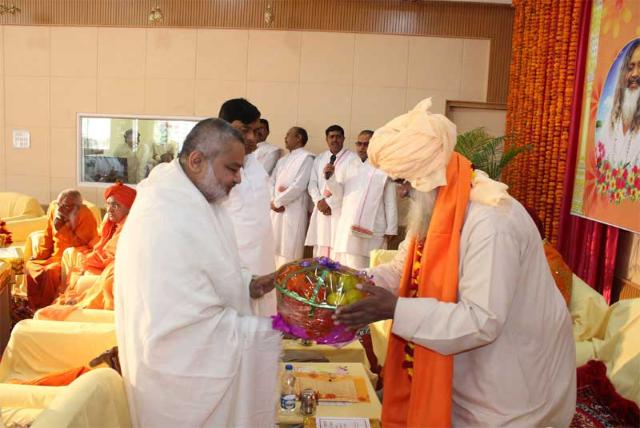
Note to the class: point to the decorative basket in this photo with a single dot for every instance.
(309, 291)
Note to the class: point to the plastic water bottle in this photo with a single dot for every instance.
(288, 390)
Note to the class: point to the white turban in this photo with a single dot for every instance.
(417, 147)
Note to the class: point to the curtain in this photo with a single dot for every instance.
(588, 247)
(550, 39)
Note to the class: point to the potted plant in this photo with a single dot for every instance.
(487, 153)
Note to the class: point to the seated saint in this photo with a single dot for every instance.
(90, 284)
(69, 224)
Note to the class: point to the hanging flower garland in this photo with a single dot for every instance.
(545, 43)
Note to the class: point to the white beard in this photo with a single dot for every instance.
(210, 187)
(629, 104)
(73, 219)
(420, 211)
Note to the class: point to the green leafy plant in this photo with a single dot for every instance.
(487, 153)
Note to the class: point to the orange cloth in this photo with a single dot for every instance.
(562, 274)
(43, 273)
(104, 251)
(123, 194)
(424, 400)
(84, 293)
(55, 379)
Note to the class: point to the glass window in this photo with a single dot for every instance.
(127, 148)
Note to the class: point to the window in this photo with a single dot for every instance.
(126, 148)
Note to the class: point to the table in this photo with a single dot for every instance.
(371, 410)
(350, 353)
(380, 332)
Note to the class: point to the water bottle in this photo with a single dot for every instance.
(288, 390)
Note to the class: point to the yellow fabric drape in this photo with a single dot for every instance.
(542, 75)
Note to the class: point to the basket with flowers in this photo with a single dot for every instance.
(309, 291)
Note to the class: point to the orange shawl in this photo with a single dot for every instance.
(425, 399)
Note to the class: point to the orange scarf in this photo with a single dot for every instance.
(424, 400)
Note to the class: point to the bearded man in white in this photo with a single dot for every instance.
(481, 335)
(289, 207)
(622, 139)
(192, 352)
(249, 202)
(267, 154)
(369, 214)
(326, 211)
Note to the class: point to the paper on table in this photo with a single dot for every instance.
(332, 387)
(342, 423)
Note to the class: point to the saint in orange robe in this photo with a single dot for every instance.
(85, 290)
(43, 273)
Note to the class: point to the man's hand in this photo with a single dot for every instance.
(380, 304)
(59, 222)
(109, 357)
(261, 285)
(276, 209)
(329, 169)
(323, 207)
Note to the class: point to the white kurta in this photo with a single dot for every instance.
(510, 332)
(191, 350)
(268, 155)
(290, 182)
(621, 148)
(350, 248)
(249, 204)
(322, 227)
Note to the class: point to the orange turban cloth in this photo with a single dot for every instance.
(121, 193)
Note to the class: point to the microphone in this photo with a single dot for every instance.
(332, 160)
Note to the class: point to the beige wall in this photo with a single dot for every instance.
(311, 79)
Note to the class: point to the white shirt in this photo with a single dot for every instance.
(510, 331)
(249, 205)
(357, 185)
(191, 351)
(289, 189)
(268, 154)
(322, 227)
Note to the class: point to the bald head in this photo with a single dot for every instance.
(71, 195)
(69, 203)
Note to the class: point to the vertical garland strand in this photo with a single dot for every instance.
(544, 43)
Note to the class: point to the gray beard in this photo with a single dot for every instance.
(630, 105)
(420, 211)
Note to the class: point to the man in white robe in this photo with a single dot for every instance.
(289, 207)
(249, 202)
(326, 211)
(369, 214)
(507, 328)
(192, 352)
(267, 154)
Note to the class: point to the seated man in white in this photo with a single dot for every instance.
(369, 215)
(289, 206)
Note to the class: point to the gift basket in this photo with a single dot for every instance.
(309, 291)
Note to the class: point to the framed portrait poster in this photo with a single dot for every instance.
(607, 185)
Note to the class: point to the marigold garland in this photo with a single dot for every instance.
(542, 74)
